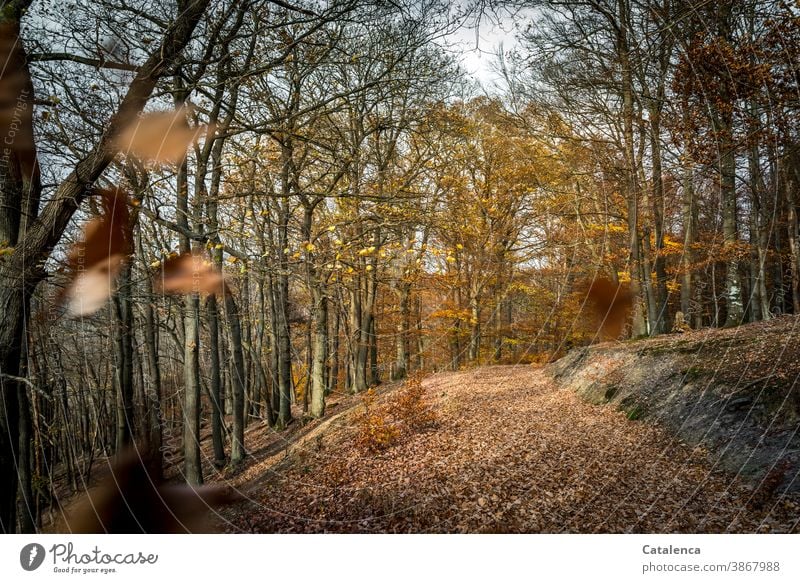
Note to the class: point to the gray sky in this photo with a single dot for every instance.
(478, 47)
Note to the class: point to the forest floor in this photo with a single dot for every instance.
(694, 432)
(510, 451)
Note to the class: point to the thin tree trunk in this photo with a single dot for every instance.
(237, 379)
(124, 360)
(217, 435)
(400, 369)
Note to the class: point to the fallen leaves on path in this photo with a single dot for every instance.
(510, 453)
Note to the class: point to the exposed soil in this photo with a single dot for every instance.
(732, 391)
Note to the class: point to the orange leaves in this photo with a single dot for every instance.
(381, 426)
(107, 235)
(95, 262)
(411, 407)
(610, 303)
(162, 137)
(189, 273)
(375, 432)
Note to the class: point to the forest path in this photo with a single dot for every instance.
(511, 452)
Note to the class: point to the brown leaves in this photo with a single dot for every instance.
(161, 137)
(512, 452)
(107, 235)
(610, 303)
(95, 262)
(16, 99)
(189, 273)
(133, 500)
(406, 413)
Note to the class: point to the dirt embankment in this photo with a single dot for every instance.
(733, 392)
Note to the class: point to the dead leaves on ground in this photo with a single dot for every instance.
(510, 453)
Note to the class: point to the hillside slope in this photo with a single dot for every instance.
(732, 391)
(521, 449)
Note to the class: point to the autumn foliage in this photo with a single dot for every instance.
(381, 425)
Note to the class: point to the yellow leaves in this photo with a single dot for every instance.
(332, 228)
(450, 259)
(310, 247)
(231, 259)
(449, 314)
(369, 268)
(671, 247)
(366, 251)
(219, 246)
(610, 228)
(5, 249)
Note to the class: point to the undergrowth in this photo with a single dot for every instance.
(380, 426)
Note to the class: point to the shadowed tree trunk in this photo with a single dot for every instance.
(36, 236)
(123, 366)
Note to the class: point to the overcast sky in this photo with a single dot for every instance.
(477, 48)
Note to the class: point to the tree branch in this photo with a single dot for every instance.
(100, 63)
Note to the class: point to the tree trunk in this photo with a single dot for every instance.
(193, 471)
(27, 511)
(400, 369)
(154, 391)
(689, 224)
(237, 379)
(217, 434)
(124, 360)
(319, 349)
(333, 375)
(475, 326)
